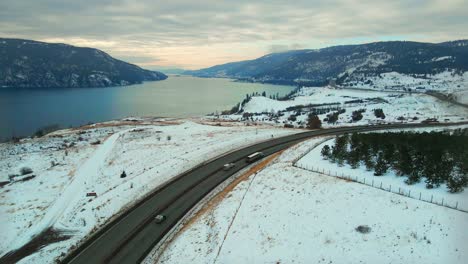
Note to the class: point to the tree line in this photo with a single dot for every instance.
(435, 157)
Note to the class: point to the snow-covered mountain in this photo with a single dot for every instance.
(350, 64)
(27, 63)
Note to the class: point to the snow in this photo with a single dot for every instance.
(259, 104)
(373, 60)
(445, 82)
(413, 108)
(57, 195)
(442, 58)
(284, 214)
(82, 181)
(462, 97)
(314, 161)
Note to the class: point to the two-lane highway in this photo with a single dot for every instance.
(129, 238)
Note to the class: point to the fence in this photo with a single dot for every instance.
(310, 149)
(386, 187)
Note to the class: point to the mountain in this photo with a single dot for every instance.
(348, 63)
(27, 63)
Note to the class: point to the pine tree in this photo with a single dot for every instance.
(366, 156)
(325, 152)
(339, 149)
(415, 172)
(353, 158)
(403, 163)
(381, 165)
(457, 180)
(389, 153)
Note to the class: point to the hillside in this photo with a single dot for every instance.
(350, 65)
(32, 64)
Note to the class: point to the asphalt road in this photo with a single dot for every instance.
(129, 238)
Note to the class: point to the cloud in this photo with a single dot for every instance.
(281, 48)
(195, 34)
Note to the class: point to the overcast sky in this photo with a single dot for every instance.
(194, 34)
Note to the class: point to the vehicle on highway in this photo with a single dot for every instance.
(228, 166)
(159, 218)
(255, 156)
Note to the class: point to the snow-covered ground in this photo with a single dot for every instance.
(284, 214)
(462, 96)
(398, 107)
(389, 181)
(444, 82)
(67, 166)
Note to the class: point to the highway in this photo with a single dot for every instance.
(130, 237)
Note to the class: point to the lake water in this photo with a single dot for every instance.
(23, 111)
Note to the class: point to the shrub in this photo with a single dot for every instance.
(313, 122)
(379, 113)
(363, 229)
(25, 170)
(292, 118)
(357, 115)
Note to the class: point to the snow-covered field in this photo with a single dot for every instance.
(67, 166)
(398, 107)
(445, 82)
(462, 96)
(389, 181)
(284, 214)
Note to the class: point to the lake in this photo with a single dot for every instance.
(24, 111)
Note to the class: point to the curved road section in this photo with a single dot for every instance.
(130, 237)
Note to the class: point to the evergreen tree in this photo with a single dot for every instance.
(439, 157)
(414, 170)
(457, 180)
(389, 152)
(403, 163)
(339, 149)
(326, 152)
(381, 166)
(369, 162)
(353, 158)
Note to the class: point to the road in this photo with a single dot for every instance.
(446, 98)
(129, 238)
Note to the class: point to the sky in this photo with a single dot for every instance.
(192, 34)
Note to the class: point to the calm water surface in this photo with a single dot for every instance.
(23, 111)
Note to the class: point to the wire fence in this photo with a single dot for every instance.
(313, 146)
(425, 197)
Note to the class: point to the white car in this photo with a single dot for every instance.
(228, 166)
(159, 218)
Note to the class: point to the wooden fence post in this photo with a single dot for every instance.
(419, 195)
(432, 196)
